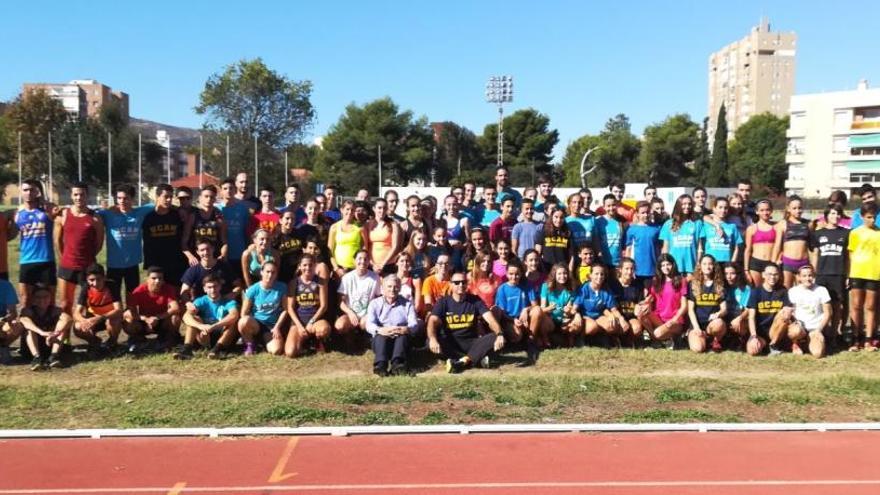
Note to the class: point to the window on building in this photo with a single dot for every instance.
(796, 146)
(842, 118)
(839, 171)
(841, 144)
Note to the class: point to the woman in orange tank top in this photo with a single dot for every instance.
(382, 236)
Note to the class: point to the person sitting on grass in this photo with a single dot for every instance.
(597, 305)
(453, 329)
(770, 313)
(356, 289)
(558, 309)
(667, 297)
(191, 283)
(308, 308)
(738, 293)
(153, 309)
(392, 322)
(211, 318)
(629, 292)
(48, 328)
(10, 328)
(97, 309)
(707, 306)
(812, 313)
(264, 313)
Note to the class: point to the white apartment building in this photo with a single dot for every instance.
(833, 141)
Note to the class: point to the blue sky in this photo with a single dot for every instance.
(578, 62)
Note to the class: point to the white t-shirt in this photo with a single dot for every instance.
(808, 304)
(360, 290)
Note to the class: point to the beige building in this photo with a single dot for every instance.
(81, 97)
(751, 76)
(833, 141)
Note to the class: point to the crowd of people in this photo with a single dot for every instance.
(505, 271)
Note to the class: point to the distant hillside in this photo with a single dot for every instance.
(179, 135)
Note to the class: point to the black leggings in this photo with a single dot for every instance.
(457, 344)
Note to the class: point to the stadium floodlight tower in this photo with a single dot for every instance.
(499, 90)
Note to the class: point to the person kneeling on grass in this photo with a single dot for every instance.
(391, 321)
(97, 309)
(210, 318)
(453, 332)
(48, 329)
(558, 309)
(264, 314)
(770, 313)
(707, 306)
(10, 328)
(812, 313)
(307, 310)
(667, 296)
(153, 308)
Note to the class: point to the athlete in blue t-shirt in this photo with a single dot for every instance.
(680, 235)
(123, 224)
(264, 312)
(720, 239)
(643, 242)
(514, 301)
(610, 232)
(34, 220)
(209, 317)
(598, 305)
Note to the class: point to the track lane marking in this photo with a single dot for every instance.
(278, 475)
(177, 489)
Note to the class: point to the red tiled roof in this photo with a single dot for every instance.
(192, 181)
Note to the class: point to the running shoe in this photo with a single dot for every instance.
(37, 364)
(184, 353)
(775, 351)
(486, 362)
(454, 366)
(216, 352)
(400, 369)
(55, 361)
(380, 371)
(249, 349)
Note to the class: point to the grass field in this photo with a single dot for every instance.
(577, 385)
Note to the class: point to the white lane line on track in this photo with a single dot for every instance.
(446, 486)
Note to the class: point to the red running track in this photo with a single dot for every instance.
(803, 463)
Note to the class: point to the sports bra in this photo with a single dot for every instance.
(454, 233)
(764, 236)
(347, 245)
(796, 231)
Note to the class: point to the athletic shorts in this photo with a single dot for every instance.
(836, 286)
(864, 284)
(38, 273)
(757, 265)
(130, 276)
(72, 275)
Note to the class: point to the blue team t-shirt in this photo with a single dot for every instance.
(593, 303)
(213, 311)
(609, 232)
(560, 298)
(267, 302)
(512, 299)
(489, 216)
(527, 235)
(582, 228)
(682, 243)
(720, 246)
(124, 236)
(8, 296)
(236, 218)
(35, 229)
(509, 192)
(644, 240)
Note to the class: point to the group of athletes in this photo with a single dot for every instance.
(465, 276)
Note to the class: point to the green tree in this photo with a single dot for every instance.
(457, 155)
(350, 149)
(247, 100)
(616, 155)
(528, 145)
(716, 176)
(758, 152)
(667, 149)
(35, 116)
(701, 163)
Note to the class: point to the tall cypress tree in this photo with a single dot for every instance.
(701, 164)
(717, 177)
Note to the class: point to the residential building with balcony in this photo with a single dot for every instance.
(833, 141)
(81, 97)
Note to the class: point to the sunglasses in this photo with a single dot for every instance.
(457, 282)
